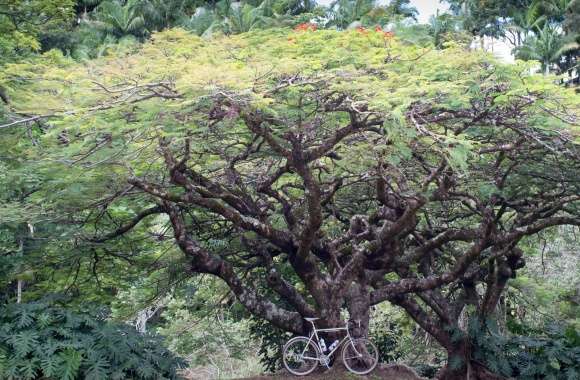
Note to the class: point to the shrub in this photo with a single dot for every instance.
(41, 341)
(271, 339)
(554, 353)
(215, 343)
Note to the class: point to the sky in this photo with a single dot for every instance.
(426, 8)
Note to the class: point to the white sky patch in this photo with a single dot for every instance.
(428, 8)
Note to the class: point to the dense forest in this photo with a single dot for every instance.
(184, 182)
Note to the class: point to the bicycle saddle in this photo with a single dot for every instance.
(311, 319)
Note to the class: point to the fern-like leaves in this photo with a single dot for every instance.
(41, 341)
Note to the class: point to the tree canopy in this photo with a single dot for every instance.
(308, 170)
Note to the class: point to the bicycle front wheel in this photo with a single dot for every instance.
(360, 356)
(300, 356)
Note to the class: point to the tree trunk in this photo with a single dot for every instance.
(460, 366)
(19, 291)
(357, 300)
(358, 305)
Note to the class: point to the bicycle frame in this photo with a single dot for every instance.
(314, 334)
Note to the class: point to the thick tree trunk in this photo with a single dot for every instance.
(460, 366)
(457, 367)
(357, 300)
(471, 371)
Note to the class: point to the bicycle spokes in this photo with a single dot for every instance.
(300, 356)
(360, 356)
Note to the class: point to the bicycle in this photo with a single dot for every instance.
(301, 355)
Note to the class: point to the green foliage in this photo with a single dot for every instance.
(547, 45)
(120, 19)
(41, 341)
(271, 339)
(209, 336)
(344, 13)
(112, 20)
(482, 17)
(387, 336)
(243, 18)
(446, 28)
(538, 29)
(552, 353)
(23, 21)
(83, 160)
(548, 286)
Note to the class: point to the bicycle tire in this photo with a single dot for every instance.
(360, 356)
(307, 359)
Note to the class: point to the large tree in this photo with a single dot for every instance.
(316, 171)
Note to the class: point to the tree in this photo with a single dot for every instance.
(446, 27)
(201, 22)
(524, 24)
(159, 15)
(121, 19)
(343, 13)
(402, 8)
(243, 18)
(572, 19)
(487, 18)
(546, 46)
(22, 22)
(571, 26)
(353, 170)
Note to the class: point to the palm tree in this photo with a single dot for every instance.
(554, 9)
(289, 7)
(243, 18)
(547, 45)
(202, 22)
(162, 14)
(524, 23)
(83, 7)
(343, 13)
(441, 25)
(402, 9)
(120, 19)
(223, 8)
(229, 17)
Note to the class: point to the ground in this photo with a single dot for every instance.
(387, 372)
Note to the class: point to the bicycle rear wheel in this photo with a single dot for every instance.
(360, 356)
(300, 356)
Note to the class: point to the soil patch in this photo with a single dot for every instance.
(386, 372)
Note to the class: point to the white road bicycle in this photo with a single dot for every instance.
(301, 355)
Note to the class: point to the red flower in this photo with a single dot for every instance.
(361, 30)
(305, 27)
(378, 28)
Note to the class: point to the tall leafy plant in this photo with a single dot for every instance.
(39, 341)
(553, 353)
(546, 46)
(343, 13)
(244, 18)
(121, 19)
